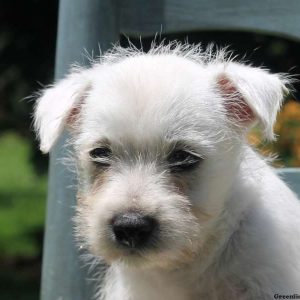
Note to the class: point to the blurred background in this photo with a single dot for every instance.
(27, 54)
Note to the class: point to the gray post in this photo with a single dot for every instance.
(83, 25)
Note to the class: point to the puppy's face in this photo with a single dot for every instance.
(151, 153)
(157, 140)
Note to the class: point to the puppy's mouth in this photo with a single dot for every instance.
(134, 233)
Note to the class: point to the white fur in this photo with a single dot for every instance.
(229, 229)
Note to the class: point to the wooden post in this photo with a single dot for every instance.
(82, 25)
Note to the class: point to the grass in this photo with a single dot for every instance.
(22, 213)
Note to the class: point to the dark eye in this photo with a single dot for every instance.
(101, 155)
(183, 160)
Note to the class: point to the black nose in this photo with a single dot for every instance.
(132, 229)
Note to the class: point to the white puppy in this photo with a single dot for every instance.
(171, 196)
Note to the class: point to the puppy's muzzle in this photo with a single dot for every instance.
(133, 230)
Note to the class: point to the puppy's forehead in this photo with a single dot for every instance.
(146, 97)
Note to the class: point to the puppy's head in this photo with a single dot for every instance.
(157, 138)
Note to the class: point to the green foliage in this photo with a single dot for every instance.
(22, 199)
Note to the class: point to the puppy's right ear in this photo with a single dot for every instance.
(59, 106)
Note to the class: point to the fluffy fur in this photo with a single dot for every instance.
(229, 228)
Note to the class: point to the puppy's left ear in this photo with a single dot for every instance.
(250, 95)
(59, 106)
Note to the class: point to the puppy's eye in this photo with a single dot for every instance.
(101, 155)
(183, 160)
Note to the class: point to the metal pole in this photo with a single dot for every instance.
(83, 25)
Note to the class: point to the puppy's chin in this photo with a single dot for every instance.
(127, 257)
(166, 259)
